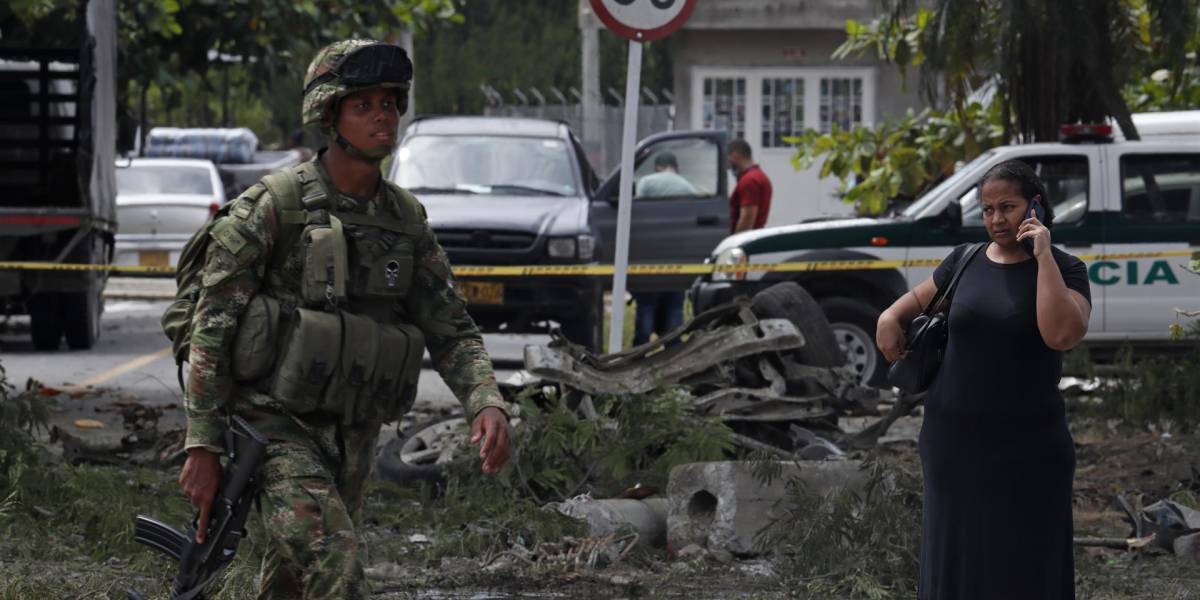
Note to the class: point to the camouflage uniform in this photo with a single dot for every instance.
(316, 465)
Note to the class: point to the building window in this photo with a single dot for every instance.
(782, 110)
(841, 102)
(725, 104)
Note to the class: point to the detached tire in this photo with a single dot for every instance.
(788, 300)
(45, 326)
(420, 453)
(853, 322)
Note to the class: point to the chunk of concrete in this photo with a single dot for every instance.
(723, 506)
(1187, 547)
(647, 517)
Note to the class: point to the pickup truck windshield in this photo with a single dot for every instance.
(164, 180)
(496, 165)
(927, 205)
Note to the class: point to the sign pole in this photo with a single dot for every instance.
(633, 84)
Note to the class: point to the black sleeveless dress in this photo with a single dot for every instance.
(995, 450)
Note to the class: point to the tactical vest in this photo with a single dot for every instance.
(336, 345)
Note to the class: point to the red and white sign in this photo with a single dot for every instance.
(643, 20)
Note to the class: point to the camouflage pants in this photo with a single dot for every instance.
(309, 508)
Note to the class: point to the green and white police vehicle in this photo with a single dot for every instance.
(1109, 197)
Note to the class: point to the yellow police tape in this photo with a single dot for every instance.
(601, 270)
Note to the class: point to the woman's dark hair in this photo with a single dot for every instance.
(1027, 181)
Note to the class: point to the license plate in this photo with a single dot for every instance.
(154, 258)
(482, 292)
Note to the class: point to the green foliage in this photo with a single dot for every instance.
(1159, 390)
(638, 440)
(902, 159)
(535, 43)
(164, 48)
(851, 545)
(22, 415)
(896, 41)
(1056, 62)
(1163, 90)
(475, 516)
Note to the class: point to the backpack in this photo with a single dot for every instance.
(177, 319)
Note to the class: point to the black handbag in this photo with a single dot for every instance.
(927, 336)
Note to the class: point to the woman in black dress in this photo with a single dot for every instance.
(995, 450)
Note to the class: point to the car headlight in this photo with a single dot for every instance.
(587, 247)
(562, 247)
(583, 247)
(727, 258)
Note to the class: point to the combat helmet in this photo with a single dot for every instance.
(345, 67)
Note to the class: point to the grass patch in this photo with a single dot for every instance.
(1156, 391)
(850, 545)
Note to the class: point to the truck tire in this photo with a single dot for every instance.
(587, 329)
(853, 322)
(80, 313)
(420, 452)
(45, 321)
(788, 300)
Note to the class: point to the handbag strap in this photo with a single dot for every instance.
(941, 295)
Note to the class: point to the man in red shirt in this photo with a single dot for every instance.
(750, 202)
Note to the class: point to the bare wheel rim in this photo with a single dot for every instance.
(435, 443)
(859, 348)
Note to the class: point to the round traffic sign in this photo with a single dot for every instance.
(643, 20)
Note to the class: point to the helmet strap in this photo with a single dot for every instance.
(373, 155)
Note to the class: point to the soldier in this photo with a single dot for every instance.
(350, 262)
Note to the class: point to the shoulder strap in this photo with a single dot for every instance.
(406, 208)
(286, 188)
(948, 293)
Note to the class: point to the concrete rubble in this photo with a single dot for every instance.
(722, 506)
(647, 517)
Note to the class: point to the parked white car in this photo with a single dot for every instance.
(161, 202)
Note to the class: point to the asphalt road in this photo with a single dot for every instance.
(132, 362)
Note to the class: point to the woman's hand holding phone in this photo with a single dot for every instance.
(1034, 236)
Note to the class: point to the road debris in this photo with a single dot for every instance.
(648, 517)
(737, 366)
(723, 506)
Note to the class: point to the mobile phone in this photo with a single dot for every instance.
(1035, 210)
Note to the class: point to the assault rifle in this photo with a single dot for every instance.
(199, 564)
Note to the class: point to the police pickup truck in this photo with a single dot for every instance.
(1110, 198)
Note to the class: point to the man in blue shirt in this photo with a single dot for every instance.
(660, 312)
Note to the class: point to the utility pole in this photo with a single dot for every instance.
(593, 133)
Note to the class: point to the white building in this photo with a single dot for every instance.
(761, 69)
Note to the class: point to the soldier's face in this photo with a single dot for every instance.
(369, 118)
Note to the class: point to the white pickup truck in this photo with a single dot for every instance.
(1109, 197)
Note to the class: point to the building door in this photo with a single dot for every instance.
(766, 107)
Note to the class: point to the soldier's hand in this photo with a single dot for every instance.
(200, 480)
(491, 426)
